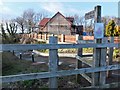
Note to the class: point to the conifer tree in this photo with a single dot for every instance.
(110, 28)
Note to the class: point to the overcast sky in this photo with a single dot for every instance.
(11, 9)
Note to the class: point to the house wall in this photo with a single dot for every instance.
(59, 25)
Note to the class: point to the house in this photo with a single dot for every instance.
(58, 24)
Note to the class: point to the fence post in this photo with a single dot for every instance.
(110, 56)
(79, 63)
(33, 57)
(52, 35)
(13, 52)
(20, 55)
(62, 38)
(40, 35)
(45, 36)
(53, 62)
(37, 36)
(29, 35)
(103, 63)
(77, 37)
(97, 51)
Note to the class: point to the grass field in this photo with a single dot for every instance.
(71, 50)
(13, 65)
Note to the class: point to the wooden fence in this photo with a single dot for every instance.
(63, 38)
(53, 62)
(90, 62)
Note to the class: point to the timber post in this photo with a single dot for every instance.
(53, 62)
(62, 38)
(79, 63)
(97, 51)
(45, 36)
(20, 55)
(13, 52)
(33, 57)
(110, 56)
(103, 75)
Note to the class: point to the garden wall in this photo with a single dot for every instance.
(63, 38)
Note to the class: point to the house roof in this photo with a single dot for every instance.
(70, 19)
(62, 16)
(44, 21)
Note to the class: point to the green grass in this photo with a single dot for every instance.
(87, 50)
(71, 50)
(13, 65)
(39, 42)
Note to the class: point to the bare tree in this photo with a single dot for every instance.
(79, 20)
(37, 18)
(25, 21)
(28, 15)
(105, 19)
(82, 20)
(29, 20)
(76, 19)
(40, 15)
(3, 33)
(89, 27)
(21, 23)
(11, 29)
(9, 33)
(117, 20)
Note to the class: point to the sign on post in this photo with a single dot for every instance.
(99, 31)
(90, 15)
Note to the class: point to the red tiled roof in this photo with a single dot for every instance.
(44, 21)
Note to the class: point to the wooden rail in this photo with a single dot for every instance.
(85, 60)
(105, 86)
(20, 77)
(87, 77)
(7, 47)
(53, 61)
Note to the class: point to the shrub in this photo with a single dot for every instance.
(110, 28)
(116, 53)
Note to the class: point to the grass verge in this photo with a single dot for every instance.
(13, 65)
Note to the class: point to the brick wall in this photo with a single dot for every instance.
(70, 38)
(116, 39)
(67, 38)
(88, 37)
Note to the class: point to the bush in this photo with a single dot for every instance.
(116, 53)
(40, 42)
(72, 50)
(112, 29)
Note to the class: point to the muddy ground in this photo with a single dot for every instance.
(69, 64)
(63, 82)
